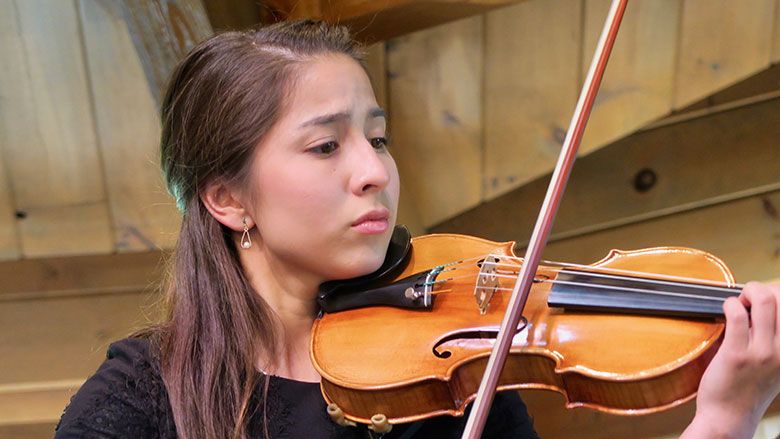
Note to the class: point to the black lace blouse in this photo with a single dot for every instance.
(126, 398)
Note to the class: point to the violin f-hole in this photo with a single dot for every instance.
(471, 334)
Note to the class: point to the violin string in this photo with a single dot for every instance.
(603, 275)
(713, 288)
(733, 291)
(617, 271)
(606, 273)
(614, 287)
(583, 284)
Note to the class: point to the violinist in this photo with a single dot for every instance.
(276, 152)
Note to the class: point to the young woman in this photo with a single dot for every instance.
(276, 151)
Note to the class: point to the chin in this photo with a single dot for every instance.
(361, 264)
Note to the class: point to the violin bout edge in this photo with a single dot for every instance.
(435, 397)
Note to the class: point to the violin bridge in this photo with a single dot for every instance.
(487, 284)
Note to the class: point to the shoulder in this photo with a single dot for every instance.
(126, 397)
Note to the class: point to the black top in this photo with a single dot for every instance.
(127, 398)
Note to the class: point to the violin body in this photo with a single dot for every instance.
(414, 364)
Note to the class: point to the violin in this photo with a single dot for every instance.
(629, 334)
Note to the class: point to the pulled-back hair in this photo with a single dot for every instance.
(221, 101)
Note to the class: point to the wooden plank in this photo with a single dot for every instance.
(435, 81)
(144, 215)
(162, 32)
(58, 316)
(47, 132)
(721, 43)
(9, 244)
(373, 20)
(80, 275)
(11, 52)
(763, 84)
(67, 230)
(64, 338)
(638, 83)
(776, 37)
(744, 233)
(36, 402)
(43, 430)
(284, 10)
(531, 85)
(693, 162)
(376, 64)
(233, 14)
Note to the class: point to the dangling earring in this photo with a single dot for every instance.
(246, 241)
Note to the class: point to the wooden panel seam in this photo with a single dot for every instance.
(77, 4)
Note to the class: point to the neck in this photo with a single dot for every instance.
(291, 294)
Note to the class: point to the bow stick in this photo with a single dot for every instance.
(571, 143)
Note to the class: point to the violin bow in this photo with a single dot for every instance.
(571, 143)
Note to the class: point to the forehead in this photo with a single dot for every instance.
(333, 82)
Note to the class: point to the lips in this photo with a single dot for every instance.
(375, 221)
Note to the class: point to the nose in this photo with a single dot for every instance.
(370, 172)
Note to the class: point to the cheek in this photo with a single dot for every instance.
(293, 198)
(394, 187)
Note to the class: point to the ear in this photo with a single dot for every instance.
(224, 205)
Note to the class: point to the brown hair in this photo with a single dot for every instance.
(222, 99)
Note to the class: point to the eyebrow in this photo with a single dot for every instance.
(335, 117)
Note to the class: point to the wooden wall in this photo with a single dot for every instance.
(518, 72)
(79, 130)
(478, 110)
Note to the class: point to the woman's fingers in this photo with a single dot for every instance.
(737, 326)
(763, 317)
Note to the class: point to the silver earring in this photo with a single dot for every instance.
(246, 241)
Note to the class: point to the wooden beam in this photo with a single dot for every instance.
(744, 233)
(763, 83)
(639, 81)
(717, 48)
(35, 402)
(644, 175)
(532, 69)
(144, 216)
(41, 430)
(162, 32)
(57, 317)
(47, 132)
(776, 36)
(376, 20)
(79, 275)
(233, 14)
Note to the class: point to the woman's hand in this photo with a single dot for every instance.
(744, 376)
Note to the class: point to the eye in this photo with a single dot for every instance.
(378, 142)
(326, 148)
